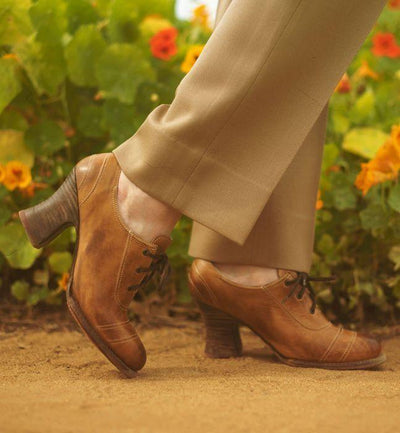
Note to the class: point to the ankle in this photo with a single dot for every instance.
(144, 215)
(248, 275)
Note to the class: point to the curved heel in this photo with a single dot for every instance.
(48, 219)
(222, 333)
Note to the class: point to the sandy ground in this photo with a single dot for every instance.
(58, 382)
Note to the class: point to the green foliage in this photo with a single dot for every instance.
(78, 77)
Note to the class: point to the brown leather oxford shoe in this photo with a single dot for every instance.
(283, 314)
(110, 262)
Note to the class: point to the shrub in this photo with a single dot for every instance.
(79, 77)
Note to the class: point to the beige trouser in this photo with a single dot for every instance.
(239, 149)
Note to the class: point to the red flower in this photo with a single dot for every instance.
(385, 45)
(163, 44)
(394, 4)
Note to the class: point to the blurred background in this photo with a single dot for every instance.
(79, 77)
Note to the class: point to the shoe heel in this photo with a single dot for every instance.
(222, 333)
(48, 219)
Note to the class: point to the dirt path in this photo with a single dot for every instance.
(57, 382)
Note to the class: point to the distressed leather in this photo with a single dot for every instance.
(107, 257)
(285, 323)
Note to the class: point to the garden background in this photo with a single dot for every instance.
(79, 77)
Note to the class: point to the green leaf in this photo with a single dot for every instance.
(90, 121)
(119, 119)
(15, 246)
(364, 141)
(340, 122)
(82, 54)
(44, 64)
(79, 13)
(120, 70)
(15, 24)
(60, 262)
(20, 290)
(123, 25)
(331, 152)
(394, 197)
(373, 217)
(12, 119)
(364, 108)
(394, 256)
(13, 147)
(49, 20)
(10, 84)
(45, 138)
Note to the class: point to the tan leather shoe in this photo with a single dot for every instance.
(283, 314)
(110, 261)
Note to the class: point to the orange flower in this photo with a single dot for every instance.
(163, 44)
(384, 45)
(63, 281)
(394, 4)
(365, 71)
(2, 173)
(191, 57)
(319, 203)
(344, 85)
(384, 166)
(201, 17)
(17, 175)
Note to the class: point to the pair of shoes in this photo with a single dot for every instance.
(111, 263)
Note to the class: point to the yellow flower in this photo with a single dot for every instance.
(191, 56)
(201, 17)
(17, 175)
(365, 71)
(384, 166)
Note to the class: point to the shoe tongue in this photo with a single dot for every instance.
(282, 272)
(162, 243)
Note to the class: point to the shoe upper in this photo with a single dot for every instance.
(110, 259)
(286, 322)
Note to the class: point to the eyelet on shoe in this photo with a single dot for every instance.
(145, 252)
(287, 283)
(299, 297)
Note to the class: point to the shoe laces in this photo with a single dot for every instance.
(158, 265)
(301, 284)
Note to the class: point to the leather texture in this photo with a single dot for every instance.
(285, 323)
(107, 257)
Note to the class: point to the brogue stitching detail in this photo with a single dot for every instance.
(113, 325)
(331, 344)
(349, 347)
(125, 339)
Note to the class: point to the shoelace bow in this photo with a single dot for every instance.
(303, 280)
(159, 265)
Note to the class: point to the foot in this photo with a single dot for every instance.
(247, 275)
(111, 261)
(143, 214)
(284, 314)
